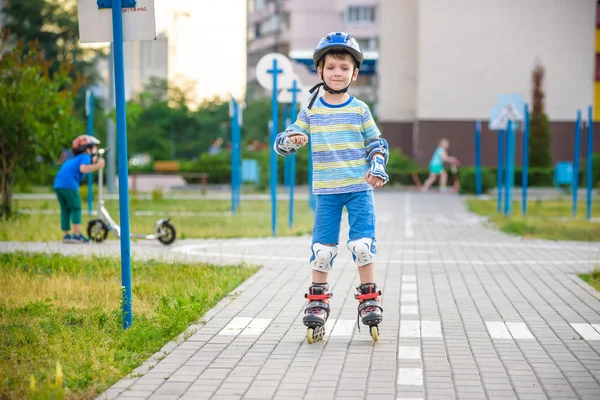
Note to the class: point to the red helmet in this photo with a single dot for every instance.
(82, 143)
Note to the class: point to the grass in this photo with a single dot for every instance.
(549, 219)
(592, 279)
(214, 220)
(56, 309)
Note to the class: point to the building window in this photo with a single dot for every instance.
(598, 15)
(260, 5)
(360, 15)
(257, 30)
(597, 67)
(370, 44)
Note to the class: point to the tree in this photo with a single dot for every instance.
(539, 126)
(36, 113)
(54, 26)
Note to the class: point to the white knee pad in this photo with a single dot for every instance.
(363, 251)
(322, 257)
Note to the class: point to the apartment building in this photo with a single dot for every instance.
(294, 27)
(143, 60)
(443, 64)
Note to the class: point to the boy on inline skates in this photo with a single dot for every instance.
(349, 160)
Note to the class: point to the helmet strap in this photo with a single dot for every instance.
(326, 88)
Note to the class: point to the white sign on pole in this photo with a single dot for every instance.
(265, 79)
(285, 95)
(87, 102)
(95, 25)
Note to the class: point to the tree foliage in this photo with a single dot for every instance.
(540, 154)
(36, 112)
(54, 26)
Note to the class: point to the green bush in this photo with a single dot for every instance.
(217, 166)
(595, 170)
(146, 169)
(407, 178)
(466, 177)
(536, 177)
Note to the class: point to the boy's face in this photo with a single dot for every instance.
(338, 73)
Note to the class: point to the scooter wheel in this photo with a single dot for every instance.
(167, 233)
(97, 230)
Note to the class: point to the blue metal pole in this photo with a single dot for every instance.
(478, 158)
(588, 161)
(293, 117)
(312, 200)
(509, 171)
(576, 155)
(238, 157)
(274, 126)
(238, 135)
(117, 20)
(286, 160)
(90, 131)
(499, 173)
(233, 155)
(525, 163)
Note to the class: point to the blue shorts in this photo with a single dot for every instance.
(328, 216)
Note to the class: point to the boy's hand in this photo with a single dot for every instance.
(373, 180)
(298, 138)
(101, 163)
(376, 175)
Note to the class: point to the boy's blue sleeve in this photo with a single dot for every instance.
(370, 130)
(302, 123)
(85, 160)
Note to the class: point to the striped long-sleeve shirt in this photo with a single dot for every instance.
(338, 134)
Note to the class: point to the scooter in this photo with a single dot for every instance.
(98, 229)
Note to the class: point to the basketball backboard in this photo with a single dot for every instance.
(509, 107)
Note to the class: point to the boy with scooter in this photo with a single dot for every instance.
(436, 166)
(67, 181)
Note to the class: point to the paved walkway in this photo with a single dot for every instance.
(469, 313)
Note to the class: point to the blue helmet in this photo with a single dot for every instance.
(338, 40)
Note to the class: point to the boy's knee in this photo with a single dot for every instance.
(322, 257)
(363, 251)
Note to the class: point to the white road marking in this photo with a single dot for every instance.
(343, 327)
(431, 329)
(410, 328)
(409, 352)
(410, 376)
(409, 287)
(409, 310)
(508, 330)
(497, 330)
(408, 222)
(519, 330)
(256, 327)
(235, 326)
(586, 331)
(408, 298)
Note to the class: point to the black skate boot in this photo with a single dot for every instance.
(316, 311)
(369, 308)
